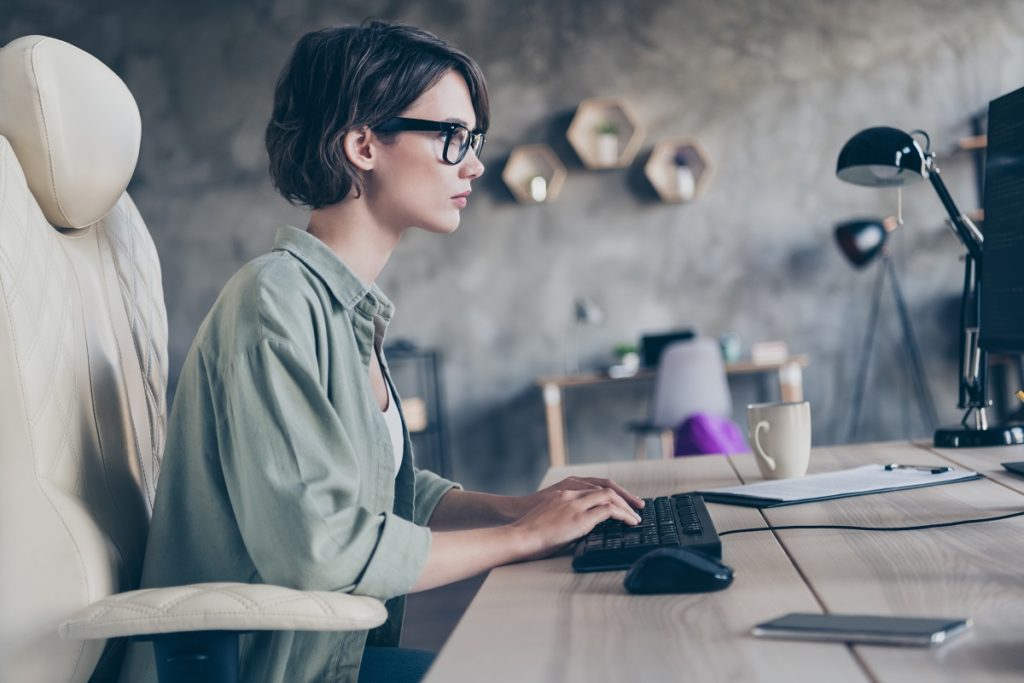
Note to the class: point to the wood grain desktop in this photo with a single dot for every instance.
(539, 621)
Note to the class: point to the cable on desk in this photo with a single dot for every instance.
(873, 528)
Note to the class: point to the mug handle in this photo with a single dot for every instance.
(758, 450)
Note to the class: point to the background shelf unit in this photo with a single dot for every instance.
(591, 116)
(661, 167)
(527, 162)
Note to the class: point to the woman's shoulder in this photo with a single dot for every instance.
(277, 276)
(273, 297)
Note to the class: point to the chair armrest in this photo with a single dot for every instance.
(222, 607)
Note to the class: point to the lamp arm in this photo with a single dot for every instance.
(973, 360)
(963, 226)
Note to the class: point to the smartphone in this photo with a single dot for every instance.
(864, 628)
(1015, 467)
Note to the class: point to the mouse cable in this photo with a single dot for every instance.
(872, 528)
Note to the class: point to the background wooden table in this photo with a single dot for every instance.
(788, 372)
(539, 621)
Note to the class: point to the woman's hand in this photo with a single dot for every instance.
(564, 515)
(511, 529)
(523, 504)
(472, 509)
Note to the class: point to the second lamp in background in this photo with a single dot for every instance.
(862, 241)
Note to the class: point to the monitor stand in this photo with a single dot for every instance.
(994, 435)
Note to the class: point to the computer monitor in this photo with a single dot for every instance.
(1002, 268)
(652, 345)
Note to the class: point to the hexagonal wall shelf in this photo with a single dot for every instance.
(605, 132)
(678, 169)
(534, 174)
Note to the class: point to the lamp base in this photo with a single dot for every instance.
(995, 435)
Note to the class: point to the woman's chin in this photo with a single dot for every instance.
(442, 227)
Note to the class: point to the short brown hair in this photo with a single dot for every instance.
(343, 78)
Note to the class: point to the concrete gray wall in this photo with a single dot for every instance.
(772, 90)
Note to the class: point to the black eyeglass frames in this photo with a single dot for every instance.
(457, 138)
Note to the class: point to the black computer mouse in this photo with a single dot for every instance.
(675, 570)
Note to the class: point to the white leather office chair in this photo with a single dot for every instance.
(690, 379)
(83, 369)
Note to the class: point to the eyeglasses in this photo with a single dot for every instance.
(457, 138)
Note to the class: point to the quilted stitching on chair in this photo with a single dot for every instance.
(37, 284)
(138, 271)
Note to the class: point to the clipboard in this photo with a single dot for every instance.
(858, 481)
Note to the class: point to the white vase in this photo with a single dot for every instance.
(685, 183)
(607, 149)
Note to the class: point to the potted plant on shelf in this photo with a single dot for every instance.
(686, 184)
(607, 144)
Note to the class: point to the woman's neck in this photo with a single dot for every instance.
(356, 236)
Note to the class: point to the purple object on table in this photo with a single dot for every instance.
(702, 433)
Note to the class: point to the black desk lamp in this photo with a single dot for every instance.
(862, 241)
(889, 157)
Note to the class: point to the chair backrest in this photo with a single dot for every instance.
(690, 379)
(83, 354)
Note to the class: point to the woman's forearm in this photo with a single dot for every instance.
(457, 555)
(472, 510)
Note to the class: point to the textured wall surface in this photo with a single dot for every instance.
(771, 89)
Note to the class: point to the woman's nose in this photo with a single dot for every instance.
(471, 166)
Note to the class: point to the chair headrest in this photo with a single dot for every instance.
(73, 125)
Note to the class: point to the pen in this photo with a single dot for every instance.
(922, 468)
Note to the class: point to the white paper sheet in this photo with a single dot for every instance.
(864, 479)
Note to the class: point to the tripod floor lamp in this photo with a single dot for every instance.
(889, 157)
(864, 241)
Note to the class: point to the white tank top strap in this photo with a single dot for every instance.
(394, 422)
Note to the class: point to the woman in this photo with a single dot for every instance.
(287, 460)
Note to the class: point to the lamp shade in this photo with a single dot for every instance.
(862, 239)
(881, 157)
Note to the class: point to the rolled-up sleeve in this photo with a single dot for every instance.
(429, 490)
(293, 480)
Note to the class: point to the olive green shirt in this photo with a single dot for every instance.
(279, 466)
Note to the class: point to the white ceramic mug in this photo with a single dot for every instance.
(780, 436)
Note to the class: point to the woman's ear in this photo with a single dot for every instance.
(359, 145)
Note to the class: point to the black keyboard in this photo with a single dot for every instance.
(681, 520)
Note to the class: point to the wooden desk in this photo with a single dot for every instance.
(539, 621)
(789, 373)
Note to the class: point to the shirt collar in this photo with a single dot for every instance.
(344, 285)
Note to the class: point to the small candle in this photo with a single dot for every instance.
(685, 183)
(538, 188)
(607, 149)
